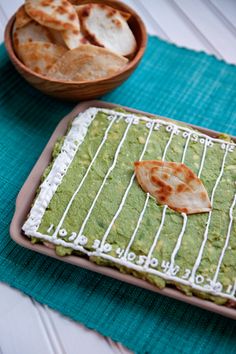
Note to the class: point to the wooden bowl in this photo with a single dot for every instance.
(75, 91)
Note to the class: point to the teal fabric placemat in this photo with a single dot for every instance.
(170, 81)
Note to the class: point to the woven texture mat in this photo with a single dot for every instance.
(170, 81)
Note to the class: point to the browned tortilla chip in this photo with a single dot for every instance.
(86, 63)
(73, 39)
(22, 18)
(57, 14)
(32, 32)
(56, 37)
(173, 184)
(78, 9)
(40, 56)
(106, 27)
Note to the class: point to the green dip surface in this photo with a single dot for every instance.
(121, 230)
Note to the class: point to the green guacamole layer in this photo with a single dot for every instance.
(110, 198)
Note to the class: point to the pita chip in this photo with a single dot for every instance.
(57, 14)
(106, 27)
(173, 184)
(30, 33)
(73, 39)
(86, 63)
(40, 56)
(22, 18)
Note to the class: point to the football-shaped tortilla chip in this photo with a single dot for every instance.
(173, 184)
(40, 56)
(22, 18)
(32, 32)
(86, 63)
(106, 27)
(57, 14)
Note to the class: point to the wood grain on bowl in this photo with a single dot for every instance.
(83, 90)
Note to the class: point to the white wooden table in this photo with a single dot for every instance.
(27, 327)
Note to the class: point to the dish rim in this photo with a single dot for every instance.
(27, 194)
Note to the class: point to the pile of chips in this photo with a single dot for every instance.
(69, 42)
